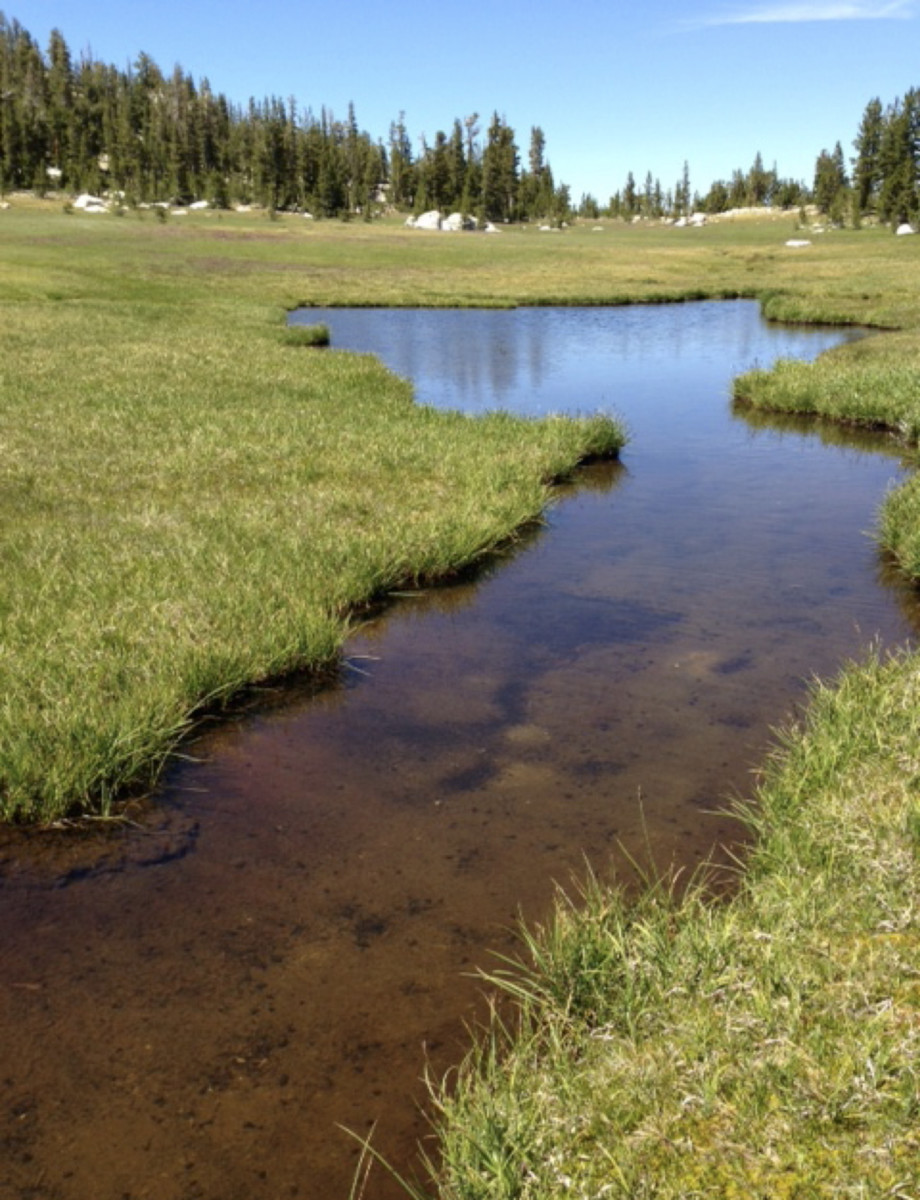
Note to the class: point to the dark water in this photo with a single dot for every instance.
(192, 1008)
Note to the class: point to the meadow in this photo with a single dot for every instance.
(193, 502)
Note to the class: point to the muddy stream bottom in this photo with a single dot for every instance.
(286, 937)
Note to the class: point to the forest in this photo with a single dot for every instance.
(79, 125)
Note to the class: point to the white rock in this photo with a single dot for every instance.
(490, 228)
(455, 222)
(697, 219)
(680, 223)
(904, 229)
(85, 201)
(199, 204)
(795, 243)
(4, 204)
(243, 208)
(428, 220)
(308, 216)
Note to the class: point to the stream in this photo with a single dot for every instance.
(287, 937)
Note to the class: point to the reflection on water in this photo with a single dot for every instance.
(539, 360)
(287, 940)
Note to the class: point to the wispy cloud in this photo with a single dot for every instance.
(811, 10)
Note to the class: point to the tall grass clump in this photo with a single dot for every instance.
(307, 335)
(761, 1045)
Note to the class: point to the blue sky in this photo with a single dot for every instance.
(615, 86)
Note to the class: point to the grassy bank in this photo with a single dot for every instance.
(763, 1046)
(874, 382)
(191, 503)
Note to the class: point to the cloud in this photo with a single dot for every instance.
(813, 10)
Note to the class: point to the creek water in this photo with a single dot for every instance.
(287, 937)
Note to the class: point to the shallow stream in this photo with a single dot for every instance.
(193, 1007)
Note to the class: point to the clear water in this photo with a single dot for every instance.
(195, 1006)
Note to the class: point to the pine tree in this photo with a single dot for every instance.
(630, 201)
(401, 190)
(867, 166)
(456, 168)
(831, 183)
(899, 161)
(499, 172)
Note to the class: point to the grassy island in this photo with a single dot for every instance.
(191, 503)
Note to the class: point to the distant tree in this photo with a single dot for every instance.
(60, 107)
(588, 207)
(630, 199)
(737, 191)
(759, 183)
(536, 191)
(499, 172)
(716, 199)
(471, 127)
(456, 168)
(402, 174)
(867, 172)
(830, 182)
(437, 173)
(899, 161)
(562, 203)
(788, 193)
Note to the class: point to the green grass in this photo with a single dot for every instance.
(189, 508)
(306, 335)
(765, 1045)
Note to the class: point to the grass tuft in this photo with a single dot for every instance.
(306, 335)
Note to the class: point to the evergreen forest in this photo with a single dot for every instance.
(72, 125)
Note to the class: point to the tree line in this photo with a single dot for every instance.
(883, 181)
(84, 126)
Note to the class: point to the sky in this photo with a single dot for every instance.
(615, 86)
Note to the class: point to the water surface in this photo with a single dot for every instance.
(191, 1008)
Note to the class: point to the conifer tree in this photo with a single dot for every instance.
(499, 172)
(899, 161)
(867, 165)
(630, 200)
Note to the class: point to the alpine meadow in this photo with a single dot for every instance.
(198, 499)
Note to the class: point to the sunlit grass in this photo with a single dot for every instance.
(188, 506)
(767, 1044)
